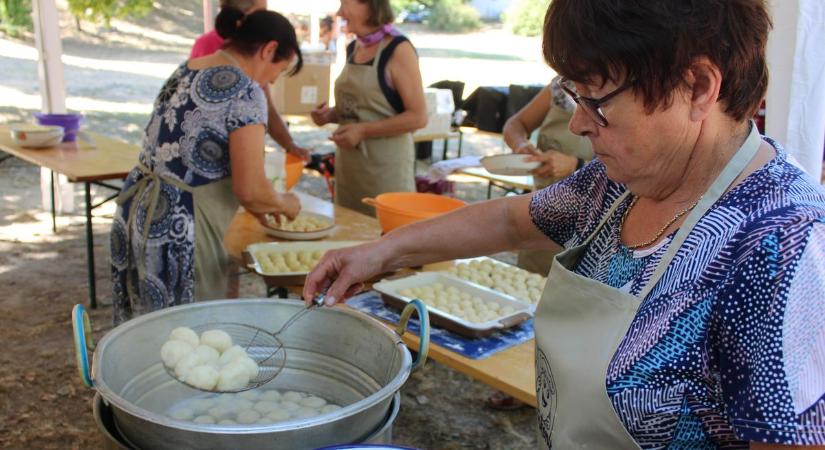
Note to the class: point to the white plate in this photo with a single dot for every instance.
(304, 235)
(393, 287)
(510, 164)
(36, 136)
(293, 247)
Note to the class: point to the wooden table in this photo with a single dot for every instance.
(81, 162)
(510, 371)
(519, 184)
(454, 133)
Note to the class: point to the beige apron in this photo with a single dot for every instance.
(554, 134)
(214, 206)
(579, 324)
(376, 165)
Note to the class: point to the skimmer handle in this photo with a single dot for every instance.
(317, 301)
(83, 342)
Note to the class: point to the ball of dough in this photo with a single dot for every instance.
(305, 413)
(278, 416)
(200, 405)
(217, 339)
(240, 404)
(265, 407)
(203, 377)
(207, 354)
(173, 351)
(234, 352)
(220, 412)
(249, 365)
(289, 406)
(182, 414)
(329, 409)
(227, 422)
(248, 416)
(233, 377)
(293, 396)
(186, 364)
(204, 419)
(313, 402)
(271, 395)
(250, 395)
(185, 334)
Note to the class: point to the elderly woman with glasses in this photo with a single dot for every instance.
(685, 310)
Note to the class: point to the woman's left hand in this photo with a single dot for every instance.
(348, 135)
(554, 164)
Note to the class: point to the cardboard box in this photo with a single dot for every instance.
(437, 124)
(439, 101)
(300, 93)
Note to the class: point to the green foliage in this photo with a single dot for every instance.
(526, 17)
(106, 10)
(453, 16)
(15, 15)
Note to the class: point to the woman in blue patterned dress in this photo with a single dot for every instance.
(203, 155)
(686, 309)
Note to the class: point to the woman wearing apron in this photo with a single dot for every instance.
(685, 310)
(202, 157)
(560, 152)
(379, 102)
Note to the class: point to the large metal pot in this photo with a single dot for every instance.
(337, 353)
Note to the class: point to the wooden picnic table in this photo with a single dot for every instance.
(510, 371)
(90, 162)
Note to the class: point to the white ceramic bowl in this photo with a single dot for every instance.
(510, 164)
(36, 136)
(292, 235)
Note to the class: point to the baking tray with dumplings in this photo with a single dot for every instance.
(308, 226)
(454, 304)
(504, 278)
(288, 263)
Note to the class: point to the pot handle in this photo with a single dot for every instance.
(369, 201)
(83, 342)
(424, 333)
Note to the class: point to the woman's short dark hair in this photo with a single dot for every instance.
(653, 43)
(246, 34)
(380, 12)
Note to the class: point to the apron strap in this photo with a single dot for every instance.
(732, 170)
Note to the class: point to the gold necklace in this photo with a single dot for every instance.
(661, 231)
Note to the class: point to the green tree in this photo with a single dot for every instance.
(526, 17)
(106, 10)
(15, 15)
(453, 16)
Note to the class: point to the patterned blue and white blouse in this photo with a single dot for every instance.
(729, 347)
(186, 141)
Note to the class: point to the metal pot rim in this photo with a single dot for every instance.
(350, 410)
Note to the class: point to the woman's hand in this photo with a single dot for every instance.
(554, 164)
(527, 148)
(287, 204)
(340, 273)
(300, 152)
(348, 135)
(323, 114)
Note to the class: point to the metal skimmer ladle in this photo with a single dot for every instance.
(263, 347)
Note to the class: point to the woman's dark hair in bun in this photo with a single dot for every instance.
(246, 34)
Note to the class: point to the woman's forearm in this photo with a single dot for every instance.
(406, 122)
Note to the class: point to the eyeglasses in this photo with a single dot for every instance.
(592, 106)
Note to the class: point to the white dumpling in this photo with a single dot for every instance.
(204, 419)
(230, 354)
(203, 377)
(313, 402)
(248, 416)
(173, 351)
(249, 365)
(227, 422)
(293, 396)
(186, 364)
(220, 412)
(207, 354)
(278, 416)
(271, 395)
(217, 339)
(233, 377)
(305, 413)
(250, 395)
(265, 407)
(200, 405)
(185, 334)
(330, 408)
(289, 406)
(182, 414)
(241, 404)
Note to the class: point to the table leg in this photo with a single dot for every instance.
(90, 247)
(460, 141)
(444, 154)
(489, 189)
(51, 191)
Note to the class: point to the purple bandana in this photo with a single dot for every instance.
(376, 36)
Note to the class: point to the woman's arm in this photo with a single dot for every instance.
(249, 182)
(278, 130)
(518, 128)
(406, 77)
(480, 229)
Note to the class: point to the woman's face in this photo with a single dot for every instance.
(356, 14)
(638, 149)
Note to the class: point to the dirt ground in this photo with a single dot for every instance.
(43, 403)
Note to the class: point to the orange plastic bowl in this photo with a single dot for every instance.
(395, 209)
(294, 169)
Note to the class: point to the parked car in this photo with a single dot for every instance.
(414, 14)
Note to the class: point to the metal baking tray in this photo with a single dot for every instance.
(389, 290)
(288, 278)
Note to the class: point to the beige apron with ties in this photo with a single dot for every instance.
(376, 165)
(554, 134)
(214, 206)
(580, 323)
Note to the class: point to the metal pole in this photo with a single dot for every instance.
(90, 248)
(51, 191)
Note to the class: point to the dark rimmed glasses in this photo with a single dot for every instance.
(592, 106)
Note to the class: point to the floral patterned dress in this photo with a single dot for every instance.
(183, 183)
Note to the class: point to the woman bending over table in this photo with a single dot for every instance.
(203, 155)
(686, 308)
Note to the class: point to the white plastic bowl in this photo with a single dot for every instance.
(36, 136)
(510, 164)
